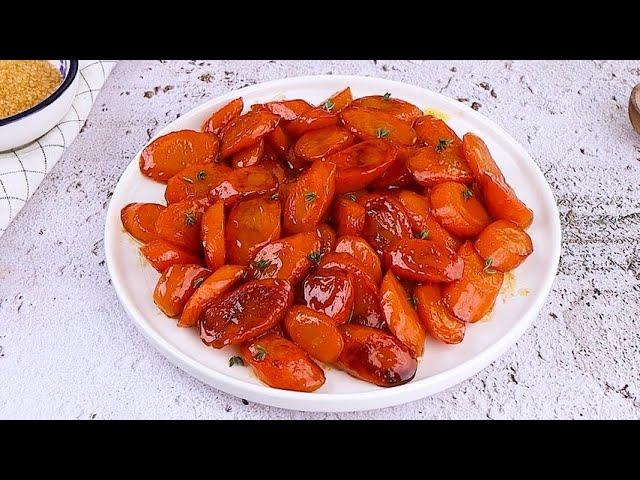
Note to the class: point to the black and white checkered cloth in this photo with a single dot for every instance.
(22, 170)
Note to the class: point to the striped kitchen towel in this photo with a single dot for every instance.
(22, 170)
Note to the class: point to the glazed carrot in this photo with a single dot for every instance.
(246, 130)
(288, 109)
(348, 216)
(503, 245)
(212, 235)
(432, 165)
(195, 181)
(176, 285)
(243, 183)
(386, 221)
(249, 156)
(219, 282)
(435, 132)
(330, 292)
(423, 261)
(400, 109)
(180, 223)
(397, 175)
(457, 210)
(328, 238)
(366, 256)
(139, 219)
(162, 254)
(322, 142)
(314, 332)
(473, 295)
(439, 322)
(169, 154)
(220, 118)
(367, 123)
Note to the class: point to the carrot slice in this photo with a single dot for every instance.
(246, 130)
(359, 249)
(457, 210)
(176, 285)
(314, 332)
(221, 118)
(288, 109)
(162, 254)
(348, 216)
(212, 235)
(367, 124)
(180, 223)
(423, 261)
(435, 132)
(397, 175)
(436, 318)
(249, 156)
(331, 292)
(400, 109)
(218, 283)
(139, 219)
(431, 165)
(195, 181)
(386, 221)
(473, 295)
(400, 315)
(242, 183)
(504, 245)
(308, 199)
(322, 142)
(315, 118)
(170, 153)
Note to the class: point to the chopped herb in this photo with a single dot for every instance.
(443, 143)
(197, 282)
(467, 194)
(258, 352)
(352, 196)
(488, 262)
(310, 196)
(187, 179)
(314, 256)
(382, 132)
(275, 196)
(424, 234)
(412, 300)
(236, 360)
(201, 175)
(262, 264)
(328, 105)
(190, 218)
(386, 96)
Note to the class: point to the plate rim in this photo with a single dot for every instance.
(354, 401)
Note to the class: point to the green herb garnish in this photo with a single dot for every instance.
(197, 282)
(201, 175)
(467, 194)
(488, 262)
(412, 300)
(236, 360)
(275, 196)
(386, 96)
(443, 143)
(258, 352)
(262, 264)
(352, 196)
(310, 196)
(329, 105)
(382, 132)
(314, 256)
(190, 219)
(424, 234)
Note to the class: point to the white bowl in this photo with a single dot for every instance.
(442, 365)
(27, 126)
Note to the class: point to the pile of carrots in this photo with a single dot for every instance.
(341, 233)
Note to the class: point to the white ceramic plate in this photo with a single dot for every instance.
(442, 365)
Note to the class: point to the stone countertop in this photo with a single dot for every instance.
(68, 350)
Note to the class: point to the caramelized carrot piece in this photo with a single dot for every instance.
(280, 363)
(503, 245)
(289, 258)
(245, 313)
(366, 256)
(338, 101)
(249, 156)
(314, 332)
(400, 315)
(212, 235)
(436, 318)
(242, 183)
(176, 285)
(308, 199)
(221, 118)
(279, 141)
(375, 356)
(424, 225)
(218, 283)
(170, 153)
(473, 295)
(139, 219)
(322, 142)
(457, 210)
(435, 132)
(331, 292)
(327, 237)
(288, 109)
(246, 130)
(432, 165)
(251, 225)
(361, 164)
(180, 223)
(367, 124)
(348, 216)
(400, 109)
(423, 261)
(397, 175)
(162, 254)
(313, 119)
(195, 181)
(502, 202)
(386, 221)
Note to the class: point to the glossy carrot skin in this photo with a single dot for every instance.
(501, 200)
(245, 313)
(397, 175)
(139, 220)
(180, 223)
(400, 109)
(430, 166)
(423, 261)
(176, 285)
(330, 292)
(212, 235)
(249, 156)
(504, 245)
(251, 225)
(433, 131)
(473, 295)
(221, 118)
(363, 253)
(328, 238)
(246, 130)
(375, 356)
(323, 142)
(195, 182)
(169, 154)
(400, 315)
(314, 332)
(457, 210)
(348, 216)
(161, 254)
(218, 283)
(288, 109)
(242, 183)
(368, 123)
(439, 322)
(386, 221)
(280, 363)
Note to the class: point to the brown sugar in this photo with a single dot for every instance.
(25, 83)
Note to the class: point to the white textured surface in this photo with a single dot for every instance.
(67, 350)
